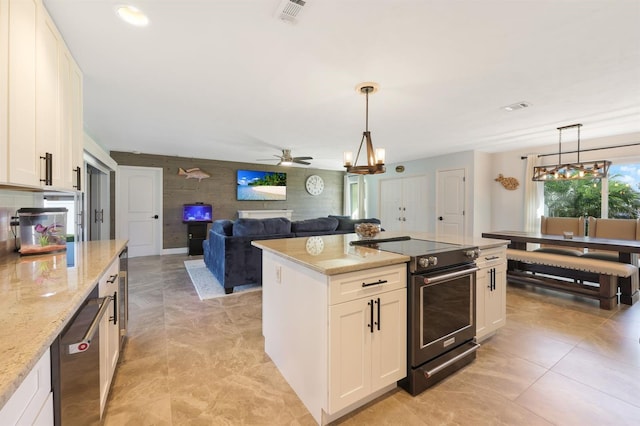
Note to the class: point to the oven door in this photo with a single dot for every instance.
(442, 312)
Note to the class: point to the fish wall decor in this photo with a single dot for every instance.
(194, 173)
(509, 183)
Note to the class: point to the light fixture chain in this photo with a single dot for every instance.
(560, 147)
(366, 120)
(579, 143)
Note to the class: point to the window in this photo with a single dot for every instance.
(354, 196)
(615, 197)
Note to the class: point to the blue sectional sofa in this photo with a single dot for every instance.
(232, 259)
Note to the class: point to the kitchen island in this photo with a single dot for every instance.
(38, 297)
(334, 318)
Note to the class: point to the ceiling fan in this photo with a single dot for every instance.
(286, 159)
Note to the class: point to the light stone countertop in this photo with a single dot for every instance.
(38, 296)
(332, 254)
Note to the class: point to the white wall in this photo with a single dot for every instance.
(427, 167)
(489, 206)
(507, 207)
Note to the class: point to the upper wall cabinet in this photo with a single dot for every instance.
(41, 100)
(4, 87)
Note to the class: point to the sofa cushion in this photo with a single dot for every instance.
(321, 224)
(345, 223)
(223, 226)
(259, 227)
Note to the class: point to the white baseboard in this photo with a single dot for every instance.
(179, 250)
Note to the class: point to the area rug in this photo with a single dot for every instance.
(207, 286)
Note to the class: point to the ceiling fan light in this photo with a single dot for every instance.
(286, 163)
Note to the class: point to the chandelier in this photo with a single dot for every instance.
(375, 159)
(571, 171)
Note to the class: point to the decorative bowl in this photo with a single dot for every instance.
(367, 231)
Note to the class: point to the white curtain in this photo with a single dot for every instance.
(533, 197)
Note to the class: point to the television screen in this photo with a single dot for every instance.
(259, 185)
(197, 213)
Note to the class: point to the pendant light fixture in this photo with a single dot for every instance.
(571, 171)
(375, 159)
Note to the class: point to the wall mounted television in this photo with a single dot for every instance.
(257, 185)
(197, 212)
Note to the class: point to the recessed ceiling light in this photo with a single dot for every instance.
(132, 15)
(516, 106)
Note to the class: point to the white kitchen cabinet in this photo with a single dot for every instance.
(109, 332)
(491, 291)
(22, 161)
(76, 146)
(4, 88)
(40, 100)
(48, 101)
(367, 346)
(317, 332)
(32, 402)
(403, 204)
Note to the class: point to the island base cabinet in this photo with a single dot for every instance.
(327, 352)
(109, 332)
(367, 346)
(491, 292)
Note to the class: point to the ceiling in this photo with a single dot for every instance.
(228, 80)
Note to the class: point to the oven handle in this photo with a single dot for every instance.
(452, 275)
(430, 373)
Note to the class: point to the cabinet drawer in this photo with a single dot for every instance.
(491, 257)
(354, 285)
(109, 281)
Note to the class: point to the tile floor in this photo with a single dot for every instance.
(559, 360)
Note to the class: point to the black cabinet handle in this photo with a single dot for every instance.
(370, 325)
(375, 283)
(48, 168)
(493, 279)
(115, 307)
(112, 278)
(378, 323)
(77, 170)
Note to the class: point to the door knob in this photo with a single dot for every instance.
(440, 218)
(154, 216)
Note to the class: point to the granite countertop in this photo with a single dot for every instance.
(332, 254)
(38, 296)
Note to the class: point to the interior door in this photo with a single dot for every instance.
(414, 204)
(450, 206)
(403, 204)
(391, 204)
(139, 209)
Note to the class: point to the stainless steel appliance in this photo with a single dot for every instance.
(76, 365)
(440, 308)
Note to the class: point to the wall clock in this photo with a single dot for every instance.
(315, 185)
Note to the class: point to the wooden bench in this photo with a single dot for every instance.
(607, 273)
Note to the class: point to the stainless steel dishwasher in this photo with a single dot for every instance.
(76, 365)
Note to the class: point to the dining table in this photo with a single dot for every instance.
(626, 249)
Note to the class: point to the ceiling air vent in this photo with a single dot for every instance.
(288, 10)
(516, 106)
